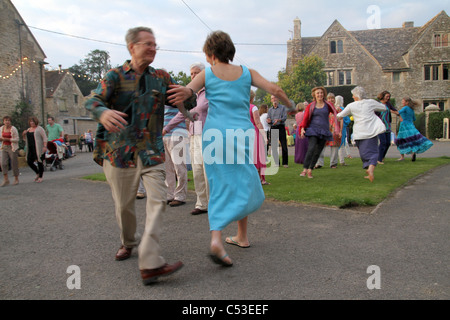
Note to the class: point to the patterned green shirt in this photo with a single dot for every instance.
(143, 99)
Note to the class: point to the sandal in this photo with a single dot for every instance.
(230, 240)
(220, 261)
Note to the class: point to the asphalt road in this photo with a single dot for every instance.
(297, 251)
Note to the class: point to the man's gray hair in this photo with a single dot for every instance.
(133, 34)
(359, 92)
(199, 65)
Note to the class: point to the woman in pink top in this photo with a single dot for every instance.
(259, 150)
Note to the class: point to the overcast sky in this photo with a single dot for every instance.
(181, 26)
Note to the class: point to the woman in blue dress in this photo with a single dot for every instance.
(228, 137)
(409, 140)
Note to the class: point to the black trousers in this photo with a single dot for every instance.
(39, 169)
(315, 147)
(283, 141)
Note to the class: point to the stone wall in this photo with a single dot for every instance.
(66, 105)
(25, 82)
(425, 53)
(368, 72)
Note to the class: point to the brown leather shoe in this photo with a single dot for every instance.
(197, 211)
(151, 275)
(123, 253)
(176, 203)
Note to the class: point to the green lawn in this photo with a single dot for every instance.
(341, 187)
(346, 186)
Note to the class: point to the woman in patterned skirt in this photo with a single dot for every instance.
(409, 140)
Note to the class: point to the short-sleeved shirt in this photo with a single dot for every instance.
(54, 132)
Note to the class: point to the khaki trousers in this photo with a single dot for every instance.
(176, 170)
(199, 174)
(7, 154)
(124, 184)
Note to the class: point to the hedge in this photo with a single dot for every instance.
(435, 124)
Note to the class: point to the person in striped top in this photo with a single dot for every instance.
(175, 143)
(385, 116)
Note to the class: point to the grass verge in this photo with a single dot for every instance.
(343, 187)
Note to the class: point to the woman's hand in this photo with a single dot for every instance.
(178, 94)
(302, 133)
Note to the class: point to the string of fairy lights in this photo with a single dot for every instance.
(25, 60)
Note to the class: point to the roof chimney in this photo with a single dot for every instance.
(408, 24)
(297, 29)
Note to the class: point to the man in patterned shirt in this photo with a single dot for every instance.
(129, 106)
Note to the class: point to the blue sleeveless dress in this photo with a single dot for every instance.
(228, 139)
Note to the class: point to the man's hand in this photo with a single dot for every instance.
(113, 120)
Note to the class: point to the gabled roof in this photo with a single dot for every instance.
(52, 81)
(426, 26)
(308, 43)
(337, 25)
(386, 46)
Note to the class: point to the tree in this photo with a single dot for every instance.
(91, 70)
(182, 78)
(84, 82)
(261, 97)
(97, 63)
(306, 74)
(20, 118)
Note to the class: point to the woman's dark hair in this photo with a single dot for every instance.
(34, 119)
(219, 44)
(382, 95)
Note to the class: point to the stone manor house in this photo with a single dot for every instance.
(407, 61)
(23, 77)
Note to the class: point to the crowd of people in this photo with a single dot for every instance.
(144, 127)
(36, 139)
